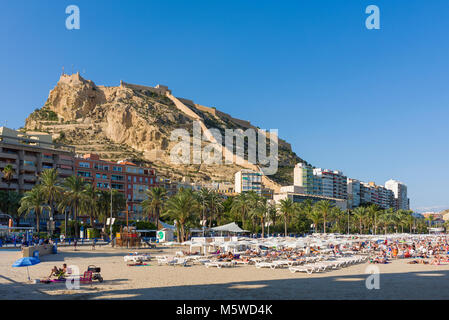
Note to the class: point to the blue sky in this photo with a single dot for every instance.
(372, 103)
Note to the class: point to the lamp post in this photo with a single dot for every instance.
(110, 222)
(348, 221)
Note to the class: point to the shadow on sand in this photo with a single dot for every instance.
(431, 285)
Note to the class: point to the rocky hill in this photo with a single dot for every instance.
(135, 122)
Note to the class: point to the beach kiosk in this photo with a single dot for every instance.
(165, 235)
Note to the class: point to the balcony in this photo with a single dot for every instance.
(65, 172)
(29, 177)
(4, 164)
(28, 186)
(65, 162)
(6, 155)
(13, 186)
(28, 168)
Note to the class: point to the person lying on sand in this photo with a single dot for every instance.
(436, 261)
(418, 262)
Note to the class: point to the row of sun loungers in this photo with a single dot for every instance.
(328, 265)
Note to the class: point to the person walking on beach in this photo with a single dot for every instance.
(93, 243)
(74, 243)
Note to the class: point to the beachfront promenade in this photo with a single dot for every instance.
(398, 278)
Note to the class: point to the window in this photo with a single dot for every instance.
(117, 186)
(146, 180)
(118, 169)
(98, 176)
(140, 179)
(135, 179)
(106, 168)
(105, 177)
(115, 177)
(84, 165)
(99, 185)
(140, 171)
(129, 178)
(84, 174)
(106, 185)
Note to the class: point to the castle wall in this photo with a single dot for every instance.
(162, 90)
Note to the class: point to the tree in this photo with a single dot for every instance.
(74, 197)
(241, 206)
(182, 208)
(90, 202)
(203, 199)
(13, 202)
(8, 175)
(316, 216)
(286, 208)
(216, 207)
(154, 203)
(360, 213)
(259, 211)
(51, 189)
(325, 207)
(373, 211)
(272, 214)
(33, 201)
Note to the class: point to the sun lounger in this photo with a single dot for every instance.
(307, 269)
(219, 264)
(266, 265)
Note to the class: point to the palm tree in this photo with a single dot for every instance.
(90, 203)
(8, 174)
(51, 189)
(203, 199)
(410, 221)
(74, 197)
(259, 211)
(216, 206)
(360, 214)
(182, 208)
(325, 207)
(241, 206)
(33, 201)
(316, 216)
(373, 211)
(272, 214)
(154, 203)
(286, 208)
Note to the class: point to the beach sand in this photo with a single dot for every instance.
(398, 280)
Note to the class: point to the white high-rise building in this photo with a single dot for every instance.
(400, 194)
(333, 183)
(248, 180)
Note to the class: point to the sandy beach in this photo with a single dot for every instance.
(398, 280)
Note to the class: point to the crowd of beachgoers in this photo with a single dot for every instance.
(309, 254)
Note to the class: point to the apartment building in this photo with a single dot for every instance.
(248, 180)
(353, 193)
(137, 181)
(303, 177)
(399, 189)
(333, 183)
(29, 154)
(123, 176)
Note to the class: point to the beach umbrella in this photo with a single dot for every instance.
(26, 262)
